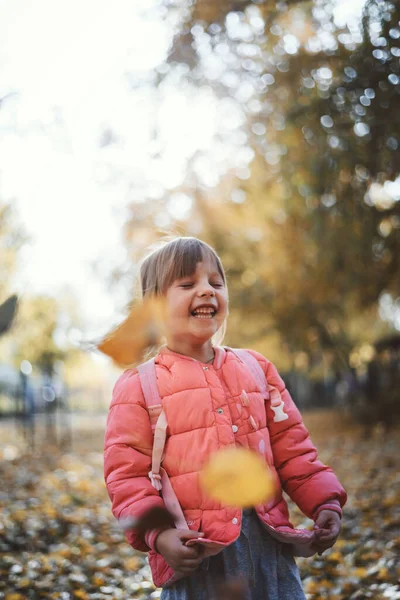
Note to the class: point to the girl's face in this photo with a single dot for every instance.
(196, 306)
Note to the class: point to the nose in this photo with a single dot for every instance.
(206, 289)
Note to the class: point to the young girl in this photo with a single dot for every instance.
(211, 401)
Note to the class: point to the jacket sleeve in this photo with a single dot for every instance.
(310, 484)
(127, 455)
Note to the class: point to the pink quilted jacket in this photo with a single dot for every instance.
(209, 407)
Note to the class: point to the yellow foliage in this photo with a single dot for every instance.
(131, 563)
(311, 586)
(383, 574)
(19, 515)
(49, 510)
(335, 557)
(81, 594)
(86, 536)
(360, 572)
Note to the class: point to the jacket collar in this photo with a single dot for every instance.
(219, 358)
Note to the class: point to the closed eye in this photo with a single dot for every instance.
(189, 285)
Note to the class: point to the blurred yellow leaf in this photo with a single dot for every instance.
(80, 594)
(19, 515)
(360, 572)
(238, 477)
(143, 328)
(335, 557)
(50, 510)
(131, 563)
(383, 574)
(311, 586)
(391, 500)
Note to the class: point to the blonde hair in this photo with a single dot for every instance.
(173, 259)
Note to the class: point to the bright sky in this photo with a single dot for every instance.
(67, 62)
(66, 65)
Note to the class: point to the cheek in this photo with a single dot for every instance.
(177, 309)
(174, 321)
(223, 303)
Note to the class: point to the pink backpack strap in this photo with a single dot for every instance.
(267, 390)
(148, 380)
(254, 367)
(158, 476)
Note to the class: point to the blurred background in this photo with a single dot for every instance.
(269, 129)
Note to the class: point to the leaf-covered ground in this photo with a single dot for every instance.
(58, 538)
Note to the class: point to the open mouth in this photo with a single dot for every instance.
(204, 313)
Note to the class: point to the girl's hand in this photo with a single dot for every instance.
(171, 544)
(327, 529)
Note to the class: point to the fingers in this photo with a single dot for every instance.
(193, 551)
(188, 534)
(188, 565)
(190, 552)
(192, 562)
(189, 558)
(322, 544)
(181, 558)
(326, 534)
(320, 548)
(187, 570)
(322, 519)
(328, 519)
(329, 534)
(327, 539)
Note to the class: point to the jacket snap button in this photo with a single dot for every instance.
(235, 521)
(235, 428)
(220, 411)
(205, 368)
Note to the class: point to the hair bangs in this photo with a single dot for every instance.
(183, 261)
(175, 259)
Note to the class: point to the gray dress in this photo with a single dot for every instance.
(266, 567)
